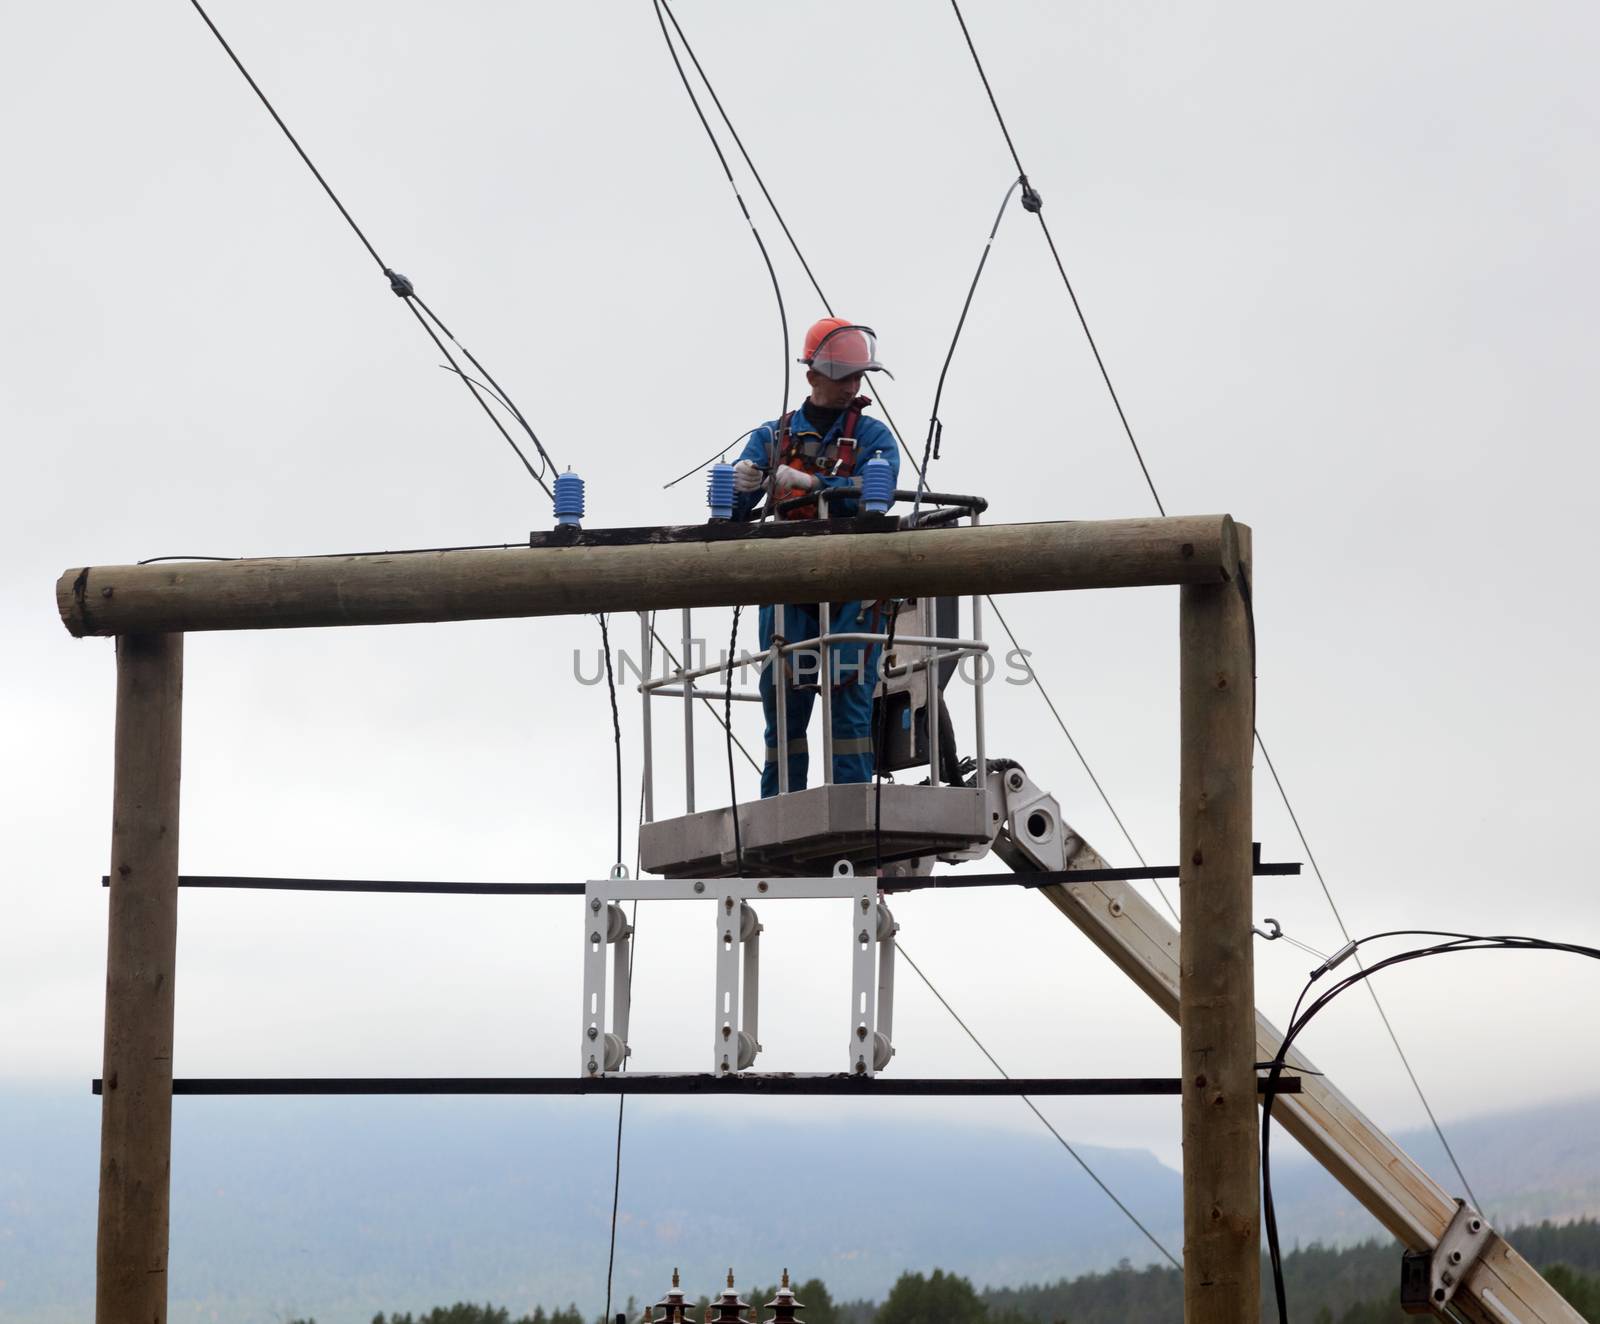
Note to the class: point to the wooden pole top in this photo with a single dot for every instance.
(408, 587)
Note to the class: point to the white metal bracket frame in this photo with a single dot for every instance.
(606, 929)
(607, 939)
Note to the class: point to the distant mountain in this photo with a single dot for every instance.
(340, 1208)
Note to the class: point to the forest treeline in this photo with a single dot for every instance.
(1348, 1285)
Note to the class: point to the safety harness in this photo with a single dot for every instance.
(805, 451)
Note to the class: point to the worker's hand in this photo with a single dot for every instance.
(788, 477)
(746, 476)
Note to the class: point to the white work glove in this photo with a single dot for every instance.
(746, 477)
(790, 477)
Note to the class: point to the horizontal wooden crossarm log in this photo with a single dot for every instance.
(785, 1084)
(485, 584)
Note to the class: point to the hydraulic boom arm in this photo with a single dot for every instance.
(1499, 1287)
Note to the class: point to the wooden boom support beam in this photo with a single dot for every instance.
(1500, 1288)
(406, 587)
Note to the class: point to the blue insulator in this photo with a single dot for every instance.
(569, 498)
(877, 485)
(719, 490)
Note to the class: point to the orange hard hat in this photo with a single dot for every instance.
(839, 349)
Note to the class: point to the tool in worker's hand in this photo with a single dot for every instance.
(790, 477)
(747, 476)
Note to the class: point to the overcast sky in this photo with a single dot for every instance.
(1341, 264)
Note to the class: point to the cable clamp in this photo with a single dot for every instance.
(401, 285)
(1428, 1280)
(1338, 958)
(1032, 200)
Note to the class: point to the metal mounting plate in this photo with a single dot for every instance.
(1429, 1282)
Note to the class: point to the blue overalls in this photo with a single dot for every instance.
(852, 667)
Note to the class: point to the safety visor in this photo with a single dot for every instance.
(845, 351)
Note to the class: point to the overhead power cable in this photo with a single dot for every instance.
(1376, 1002)
(616, 724)
(1060, 1139)
(880, 745)
(1455, 942)
(739, 143)
(777, 214)
(777, 289)
(1156, 496)
(720, 454)
(398, 283)
(1054, 712)
(727, 725)
(1038, 210)
(900, 440)
(930, 449)
(783, 407)
(672, 658)
(616, 728)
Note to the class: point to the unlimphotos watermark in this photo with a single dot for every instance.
(849, 665)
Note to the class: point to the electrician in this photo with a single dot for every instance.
(823, 444)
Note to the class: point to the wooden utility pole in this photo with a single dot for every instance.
(141, 949)
(1216, 988)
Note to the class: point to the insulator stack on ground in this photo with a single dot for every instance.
(674, 1308)
(784, 1304)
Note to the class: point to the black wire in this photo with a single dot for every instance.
(920, 475)
(399, 284)
(621, 1102)
(482, 386)
(727, 721)
(616, 1195)
(1376, 1002)
(616, 724)
(1060, 1139)
(739, 142)
(777, 290)
(935, 427)
(476, 395)
(880, 743)
(1065, 280)
(778, 215)
(672, 658)
(1099, 361)
(1156, 496)
(505, 396)
(1054, 712)
(293, 141)
(1000, 119)
(783, 321)
(1298, 1022)
(715, 455)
